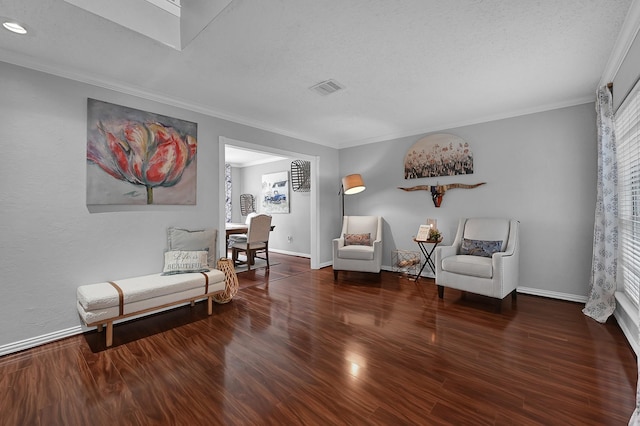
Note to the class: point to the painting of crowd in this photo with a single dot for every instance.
(438, 155)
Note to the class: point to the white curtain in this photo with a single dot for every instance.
(228, 192)
(601, 302)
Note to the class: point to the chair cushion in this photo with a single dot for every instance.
(356, 252)
(480, 247)
(357, 239)
(475, 266)
(242, 245)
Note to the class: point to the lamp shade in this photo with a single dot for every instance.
(352, 184)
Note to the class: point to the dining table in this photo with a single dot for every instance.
(234, 228)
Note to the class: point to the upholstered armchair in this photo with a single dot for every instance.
(359, 247)
(483, 259)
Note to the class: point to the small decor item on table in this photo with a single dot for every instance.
(434, 235)
(423, 233)
(231, 289)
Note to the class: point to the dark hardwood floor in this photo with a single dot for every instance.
(310, 351)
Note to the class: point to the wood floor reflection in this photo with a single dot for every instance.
(296, 348)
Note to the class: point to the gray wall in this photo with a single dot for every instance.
(52, 243)
(295, 224)
(539, 169)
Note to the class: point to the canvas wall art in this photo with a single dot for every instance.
(440, 154)
(138, 157)
(275, 193)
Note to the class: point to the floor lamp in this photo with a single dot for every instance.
(351, 184)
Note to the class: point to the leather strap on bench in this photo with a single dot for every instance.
(206, 282)
(120, 297)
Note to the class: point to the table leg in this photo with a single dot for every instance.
(427, 254)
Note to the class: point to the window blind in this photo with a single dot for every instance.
(627, 128)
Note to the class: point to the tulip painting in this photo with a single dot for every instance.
(131, 153)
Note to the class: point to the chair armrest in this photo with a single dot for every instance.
(377, 248)
(442, 252)
(446, 251)
(506, 269)
(337, 243)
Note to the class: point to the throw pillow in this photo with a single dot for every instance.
(480, 247)
(202, 239)
(183, 261)
(357, 239)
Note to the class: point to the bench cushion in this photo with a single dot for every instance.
(100, 301)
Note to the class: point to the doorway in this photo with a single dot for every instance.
(257, 153)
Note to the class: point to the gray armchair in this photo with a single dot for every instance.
(359, 247)
(483, 259)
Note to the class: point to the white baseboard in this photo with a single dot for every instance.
(552, 294)
(68, 332)
(291, 253)
(39, 340)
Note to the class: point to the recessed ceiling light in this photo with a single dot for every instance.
(14, 27)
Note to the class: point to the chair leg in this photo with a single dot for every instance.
(335, 275)
(249, 259)
(497, 307)
(266, 255)
(514, 296)
(441, 292)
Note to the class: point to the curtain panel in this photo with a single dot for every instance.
(601, 301)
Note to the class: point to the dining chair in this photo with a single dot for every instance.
(257, 241)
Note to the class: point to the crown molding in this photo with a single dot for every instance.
(480, 120)
(628, 33)
(64, 72)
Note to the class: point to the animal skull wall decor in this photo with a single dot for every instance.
(437, 191)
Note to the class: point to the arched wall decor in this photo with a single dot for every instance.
(440, 154)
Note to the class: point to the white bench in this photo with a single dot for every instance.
(106, 302)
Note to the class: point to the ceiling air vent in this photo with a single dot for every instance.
(327, 87)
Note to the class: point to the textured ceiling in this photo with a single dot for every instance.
(409, 67)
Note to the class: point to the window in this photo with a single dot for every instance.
(627, 125)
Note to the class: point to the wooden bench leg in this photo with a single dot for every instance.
(100, 327)
(193, 303)
(210, 305)
(109, 333)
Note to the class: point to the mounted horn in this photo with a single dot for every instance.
(437, 191)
